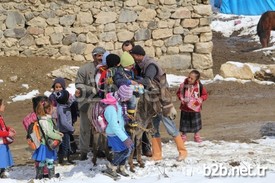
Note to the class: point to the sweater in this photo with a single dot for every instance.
(116, 122)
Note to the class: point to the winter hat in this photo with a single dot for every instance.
(104, 57)
(61, 81)
(112, 60)
(98, 50)
(125, 92)
(126, 59)
(138, 50)
(110, 99)
(62, 96)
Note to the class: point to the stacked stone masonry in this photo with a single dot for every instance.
(176, 32)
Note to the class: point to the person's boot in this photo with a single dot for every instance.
(69, 160)
(111, 171)
(197, 138)
(52, 173)
(39, 172)
(83, 156)
(181, 148)
(122, 171)
(2, 174)
(132, 119)
(184, 137)
(156, 149)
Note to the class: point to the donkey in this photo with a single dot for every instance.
(156, 100)
(265, 25)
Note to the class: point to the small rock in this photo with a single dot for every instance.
(14, 79)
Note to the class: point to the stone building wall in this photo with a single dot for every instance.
(176, 32)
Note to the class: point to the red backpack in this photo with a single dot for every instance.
(30, 118)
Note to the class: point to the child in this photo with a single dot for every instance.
(31, 118)
(64, 123)
(59, 84)
(105, 83)
(191, 94)
(6, 137)
(117, 136)
(44, 155)
(100, 69)
(125, 76)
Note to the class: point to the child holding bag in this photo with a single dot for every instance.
(45, 155)
(191, 93)
(6, 137)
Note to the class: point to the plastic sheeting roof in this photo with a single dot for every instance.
(245, 7)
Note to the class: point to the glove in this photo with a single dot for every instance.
(128, 143)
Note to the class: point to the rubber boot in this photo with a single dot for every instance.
(181, 148)
(122, 171)
(156, 148)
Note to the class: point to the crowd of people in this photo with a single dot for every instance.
(117, 81)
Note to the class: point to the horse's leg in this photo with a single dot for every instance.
(139, 149)
(95, 147)
(107, 150)
(268, 32)
(131, 157)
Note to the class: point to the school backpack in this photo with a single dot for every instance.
(30, 118)
(31, 125)
(96, 116)
(33, 135)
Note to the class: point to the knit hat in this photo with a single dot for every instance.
(104, 57)
(61, 81)
(138, 50)
(62, 96)
(126, 59)
(98, 50)
(110, 99)
(125, 92)
(112, 60)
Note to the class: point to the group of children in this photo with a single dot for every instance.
(55, 116)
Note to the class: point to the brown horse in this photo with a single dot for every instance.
(265, 25)
(157, 100)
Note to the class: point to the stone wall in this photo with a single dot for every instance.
(176, 32)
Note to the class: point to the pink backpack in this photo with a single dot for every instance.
(30, 118)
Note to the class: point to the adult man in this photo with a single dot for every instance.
(127, 45)
(151, 70)
(85, 91)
